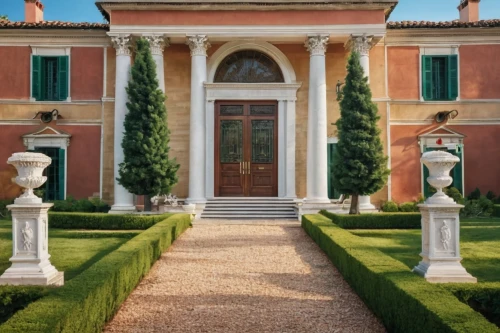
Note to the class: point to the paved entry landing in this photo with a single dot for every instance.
(243, 276)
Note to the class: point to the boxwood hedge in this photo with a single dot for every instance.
(402, 300)
(103, 221)
(375, 221)
(87, 301)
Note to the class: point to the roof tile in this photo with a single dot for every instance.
(5, 24)
(442, 25)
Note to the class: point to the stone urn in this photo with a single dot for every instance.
(29, 167)
(439, 164)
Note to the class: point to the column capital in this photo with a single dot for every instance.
(317, 45)
(361, 44)
(157, 43)
(198, 45)
(122, 44)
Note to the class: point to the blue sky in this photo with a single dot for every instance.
(415, 10)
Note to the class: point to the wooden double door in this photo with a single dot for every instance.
(246, 149)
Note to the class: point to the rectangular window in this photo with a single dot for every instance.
(50, 78)
(55, 173)
(440, 78)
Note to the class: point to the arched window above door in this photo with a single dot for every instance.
(248, 66)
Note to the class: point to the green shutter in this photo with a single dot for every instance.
(62, 77)
(61, 174)
(458, 170)
(452, 77)
(332, 193)
(427, 77)
(36, 77)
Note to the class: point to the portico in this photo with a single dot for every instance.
(301, 153)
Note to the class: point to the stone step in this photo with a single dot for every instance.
(270, 208)
(250, 217)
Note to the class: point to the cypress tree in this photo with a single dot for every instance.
(146, 169)
(360, 167)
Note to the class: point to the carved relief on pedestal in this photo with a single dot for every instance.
(445, 235)
(27, 238)
(122, 44)
(317, 45)
(198, 45)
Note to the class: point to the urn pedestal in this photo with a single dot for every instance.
(441, 245)
(30, 255)
(441, 225)
(30, 227)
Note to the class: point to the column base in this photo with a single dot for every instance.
(312, 208)
(122, 209)
(444, 271)
(364, 203)
(196, 201)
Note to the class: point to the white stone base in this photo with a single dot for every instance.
(24, 279)
(443, 270)
(313, 208)
(119, 209)
(364, 203)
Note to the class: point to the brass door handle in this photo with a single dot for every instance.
(240, 167)
(248, 167)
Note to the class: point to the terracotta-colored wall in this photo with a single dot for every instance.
(82, 165)
(15, 67)
(403, 72)
(481, 155)
(87, 70)
(303, 17)
(480, 71)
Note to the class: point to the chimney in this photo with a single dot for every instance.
(469, 10)
(33, 11)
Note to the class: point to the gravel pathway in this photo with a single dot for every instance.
(244, 277)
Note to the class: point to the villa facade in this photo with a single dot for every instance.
(251, 95)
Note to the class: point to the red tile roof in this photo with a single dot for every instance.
(5, 24)
(442, 25)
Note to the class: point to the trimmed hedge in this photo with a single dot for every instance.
(484, 298)
(15, 298)
(403, 301)
(89, 300)
(496, 211)
(375, 221)
(102, 221)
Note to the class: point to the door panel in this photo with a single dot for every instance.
(246, 149)
(231, 180)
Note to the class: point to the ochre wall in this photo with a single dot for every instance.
(15, 67)
(280, 17)
(403, 72)
(481, 155)
(479, 71)
(82, 165)
(87, 70)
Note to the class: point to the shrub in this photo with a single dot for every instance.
(475, 195)
(455, 194)
(491, 195)
(408, 207)
(398, 297)
(4, 212)
(376, 221)
(15, 298)
(86, 302)
(390, 207)
(496, 211)
(484, 298)
(103, 221)
(82, 205)
(478, 208)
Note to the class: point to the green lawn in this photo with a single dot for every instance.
(72, 251)
(479, 246)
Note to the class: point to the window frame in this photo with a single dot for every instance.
(47, 51)
(438, 51)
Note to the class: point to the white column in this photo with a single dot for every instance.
(290, 149)
(124, 201)
(362, 45)
(317, 188)
(157, 44)
(198, 46)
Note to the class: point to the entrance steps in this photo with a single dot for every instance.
(250, 208)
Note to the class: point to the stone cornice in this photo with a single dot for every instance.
(54, 38)
(446, 36)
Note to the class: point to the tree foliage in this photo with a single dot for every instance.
(360, 167)
(4, 18)
(147, 168)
